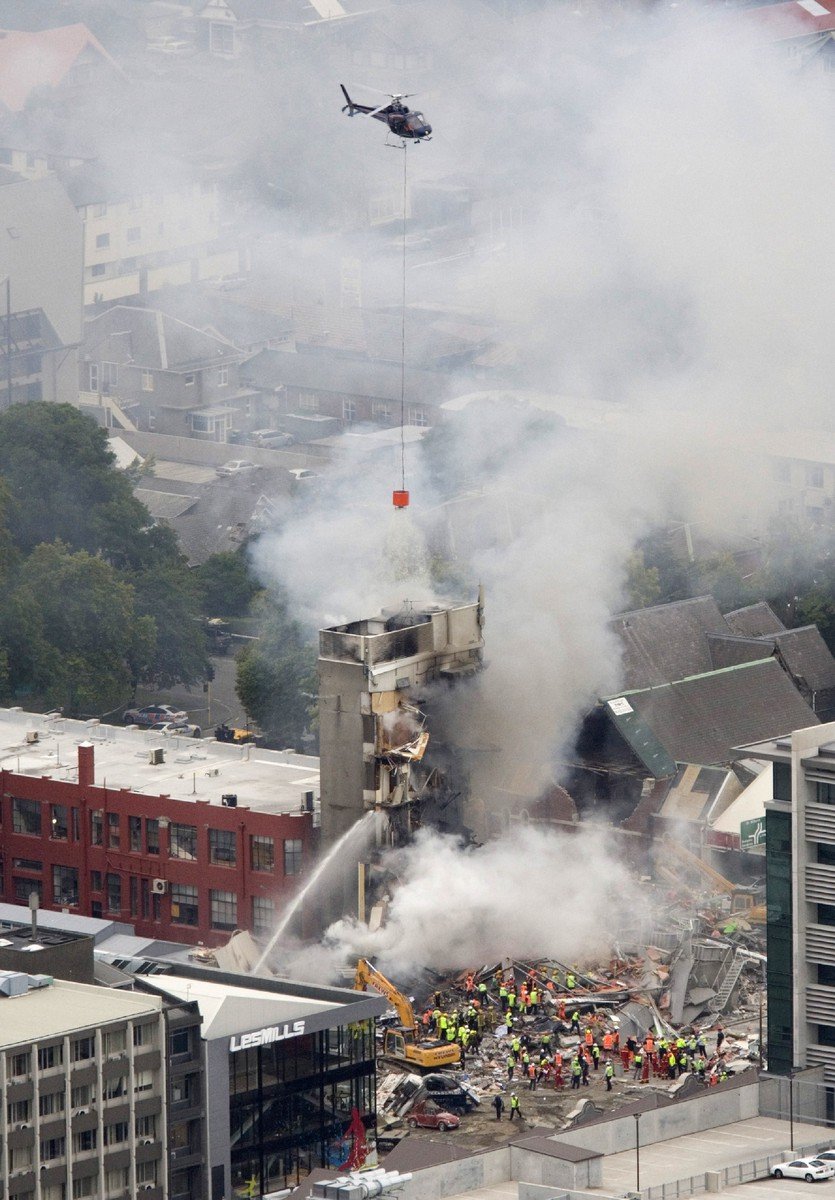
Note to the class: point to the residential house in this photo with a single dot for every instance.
(40, 284)
(151, 372)
(305, 385)
(141, 236)
(50, 64)
(802, 465)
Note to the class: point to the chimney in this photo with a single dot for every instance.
(86, 764)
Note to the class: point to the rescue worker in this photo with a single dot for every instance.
(511, 1001)
(701, 1048)
(498, 1104)
(682, 1062)
(469, 986)
(638, 1063)
(515, 1110)
(503, 993)
(584, 1070)
(608, 1042)
(532, 1077)
(595, 1055)
(482, 992)
(575, 1022)
(570, 981)
(511, 1063)
(671, 1065)
(589, 1036)
(443, 1024)
(720, 1037)
(576, 1073)
(545, 1041)
(610, 1074)
(700, 1067)
(516, 1049)
(534, 998)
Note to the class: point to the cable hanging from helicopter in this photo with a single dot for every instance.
(410, 127)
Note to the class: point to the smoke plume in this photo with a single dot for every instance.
(529, 894)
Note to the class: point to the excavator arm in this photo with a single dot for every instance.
(367, 976)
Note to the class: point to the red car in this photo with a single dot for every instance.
(432, 1119)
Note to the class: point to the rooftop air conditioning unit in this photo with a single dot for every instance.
(156, 757)
(32, 736)
(24, 1125)
(81, 1112)
(159, 886)
(147, 1141)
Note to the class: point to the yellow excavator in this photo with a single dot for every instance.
(403, 1042)
(742, 902)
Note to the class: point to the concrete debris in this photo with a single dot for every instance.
(675, 1010)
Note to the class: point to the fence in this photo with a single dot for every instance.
(747, 1172)
(807, 1100)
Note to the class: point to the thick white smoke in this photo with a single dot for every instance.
(529, 894)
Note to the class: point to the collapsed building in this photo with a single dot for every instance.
(383, 745)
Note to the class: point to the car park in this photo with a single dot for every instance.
(236, 466)
(810, 1169)
(432, 1118)
(154, 714)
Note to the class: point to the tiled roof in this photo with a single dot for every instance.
(31, 60)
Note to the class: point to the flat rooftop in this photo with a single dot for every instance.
(271, 781)
(64, 1008)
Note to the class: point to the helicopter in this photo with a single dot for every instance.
(400, 120)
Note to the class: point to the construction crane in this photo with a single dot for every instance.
(403, 1042)
(742, 902)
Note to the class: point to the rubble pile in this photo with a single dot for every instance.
(551, 1043)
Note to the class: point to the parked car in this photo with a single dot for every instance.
(432, 1118)
(236, 466)
(809, 1169)
(177, 729)
(154, 714)
(299, 474)
(271, 439)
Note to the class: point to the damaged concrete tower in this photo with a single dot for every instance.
(374, 731)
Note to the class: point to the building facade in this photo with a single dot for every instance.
(186, 870)
(82, 1079)
(292, 1069)
(800, 883)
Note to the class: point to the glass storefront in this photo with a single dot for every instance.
(291, 1105)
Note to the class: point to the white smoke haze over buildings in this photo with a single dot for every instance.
(540, 892)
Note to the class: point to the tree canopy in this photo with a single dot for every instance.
(276, 680)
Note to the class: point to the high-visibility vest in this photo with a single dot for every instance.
(511, 999)
(608, 1041)
(514, 1101)
(534, 996)
(482, 987)
(570, 981)
(610, 1070)
(576, 1069)
(589, 1037)
(575, 1018)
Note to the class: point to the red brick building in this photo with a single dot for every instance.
(184, 870)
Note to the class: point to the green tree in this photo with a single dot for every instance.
(168, 595)
(71, 633)
(225, 586)
(643, 583)
(277, 676)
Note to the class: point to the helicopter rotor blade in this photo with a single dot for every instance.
(391, 95)
(374, 112)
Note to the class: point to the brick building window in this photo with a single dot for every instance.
(96, 827)
(263, 914)
(95, 881)
(64, 885)
(135, 834)
(23, 889)
(263, 853)
(292, 856)
(113, 835)
(184, 904)
(26, 816)
(224, 908)
(184, 841)
(114, 893)
(59, 825)
(152, 835)
(222, 848)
